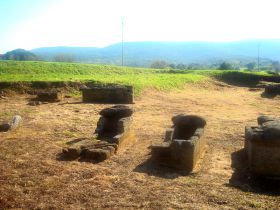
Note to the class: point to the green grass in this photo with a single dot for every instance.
(139, 78)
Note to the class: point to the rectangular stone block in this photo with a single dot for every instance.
(108, 94)
(263, 159)
(191, 152)
(51, 96)
(272, 89)
(262, 145)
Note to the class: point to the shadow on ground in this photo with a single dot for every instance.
(245, 181)
(266, 95)
(153, 169)
(74, 103)
(62, 157)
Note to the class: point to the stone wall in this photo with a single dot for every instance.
(108, 94)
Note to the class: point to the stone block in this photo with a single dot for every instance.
(108, 94)
(71, 153)
(118, 111)
(272, 89)
(50, 96)
(97, 155)
(262, 145)
(89, 149)
(14, 124)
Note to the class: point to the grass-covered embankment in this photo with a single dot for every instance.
(139, 78)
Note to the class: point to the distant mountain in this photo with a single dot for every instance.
(144, 53)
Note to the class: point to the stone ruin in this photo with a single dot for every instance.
(49, 96)
(46, 97)
(112, 94)
(113, 132)
(183, 144)
(114, 124)
(14, 124)
(262, 145)
(272, 89)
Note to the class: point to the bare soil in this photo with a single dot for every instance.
(33, 177)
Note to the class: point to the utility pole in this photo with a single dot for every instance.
(259, 56)
(122, 38)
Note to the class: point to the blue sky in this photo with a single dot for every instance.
(30, 24)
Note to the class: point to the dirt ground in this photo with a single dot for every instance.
(32, 176)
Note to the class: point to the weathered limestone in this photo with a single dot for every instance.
(112, 133)
(262, 144)
(89, 149)
(114, 124)
(272, 89)
(14, 124)
(50, 96)
(184, 143)
(108, 94)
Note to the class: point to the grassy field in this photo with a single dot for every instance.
(139, 78)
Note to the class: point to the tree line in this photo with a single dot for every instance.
(161, 64)
(24, 55)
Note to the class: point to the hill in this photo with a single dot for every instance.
(144, 53)
(19, 55)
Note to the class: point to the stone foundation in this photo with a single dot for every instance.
(50, 96)
(113, 132)
(183, 144)
(262, 144)
(272, 89)
(108, 94)
(89, 149)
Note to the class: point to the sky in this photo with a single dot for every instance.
(30, 24)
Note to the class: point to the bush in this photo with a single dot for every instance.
(159, 64)
(225, 66)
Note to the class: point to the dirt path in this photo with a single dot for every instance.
(32, 177)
